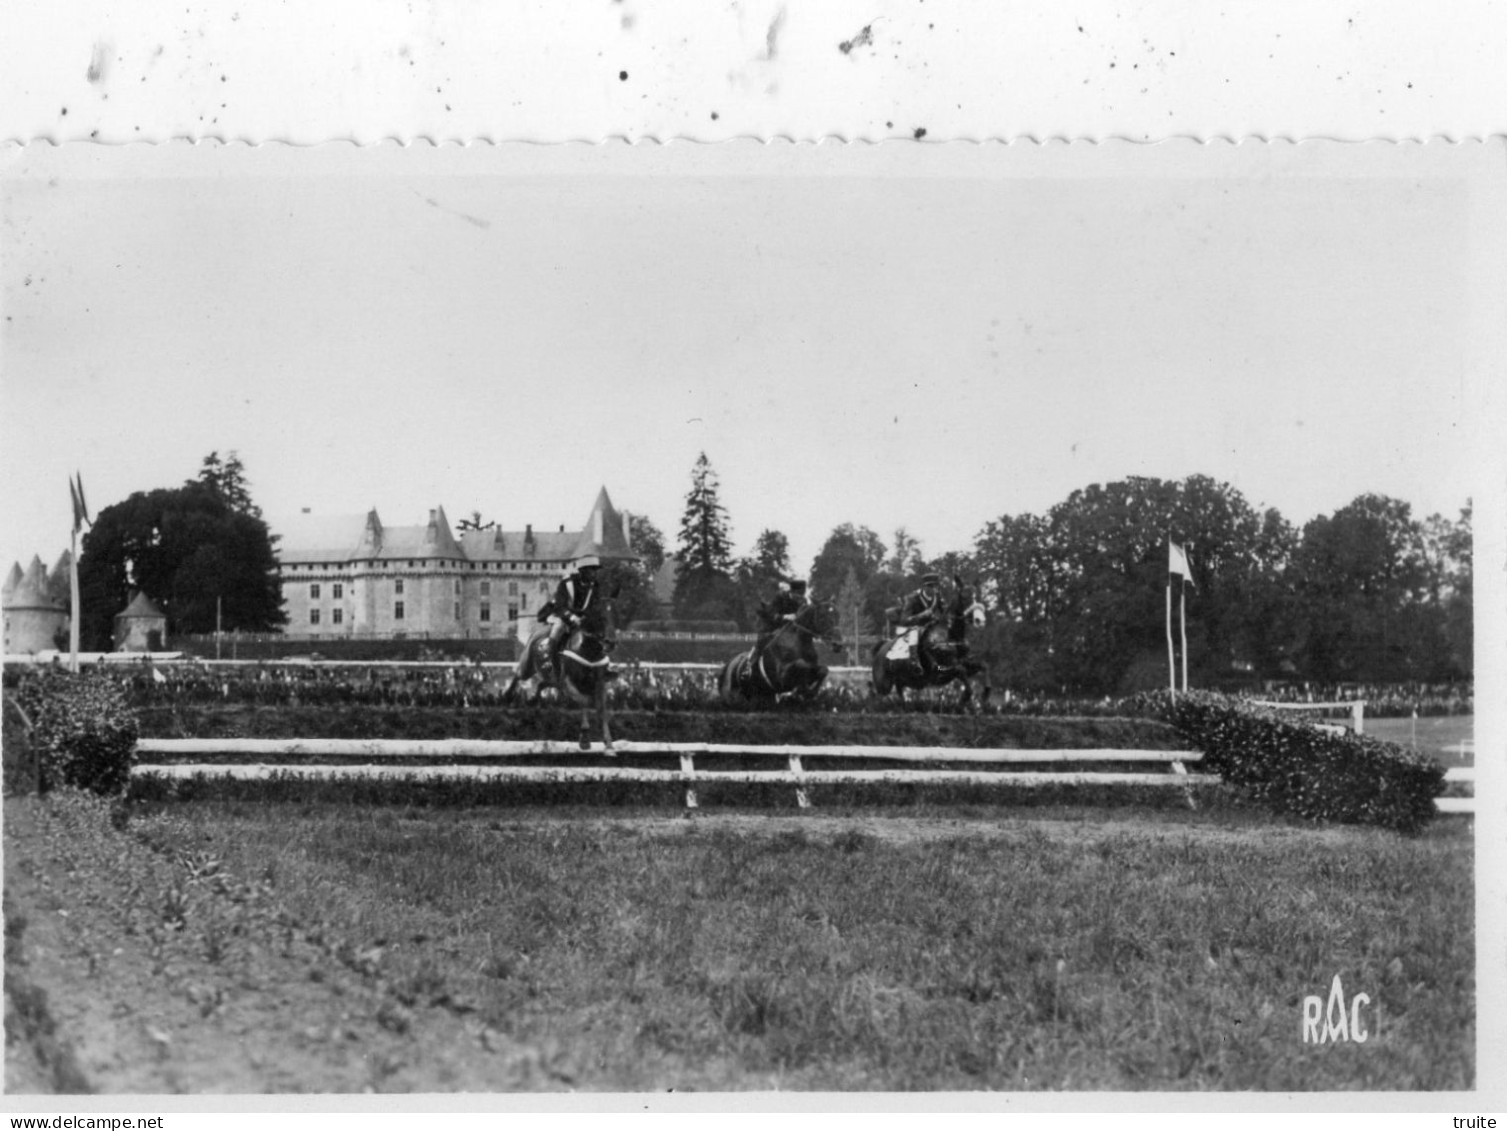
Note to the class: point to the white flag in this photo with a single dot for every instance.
(1177, 561)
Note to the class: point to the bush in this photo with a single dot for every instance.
(1296, 767)
(81, 731)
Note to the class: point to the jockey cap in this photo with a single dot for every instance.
(797, 586)
(931, 579)
(588, 561)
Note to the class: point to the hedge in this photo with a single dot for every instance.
(1294, 766)
(80, 730)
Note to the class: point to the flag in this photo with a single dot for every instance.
(1177, 561)
(80, 508)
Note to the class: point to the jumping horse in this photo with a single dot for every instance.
(583, 673)
(788, 666)
(941, 655)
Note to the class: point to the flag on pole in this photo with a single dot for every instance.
(80, 508)
(1177, 561)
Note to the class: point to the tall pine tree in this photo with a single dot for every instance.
(703, 575)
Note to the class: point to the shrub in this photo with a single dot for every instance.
(1295, 766)
(82, 732)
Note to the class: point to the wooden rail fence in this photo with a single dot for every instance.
(377, 751)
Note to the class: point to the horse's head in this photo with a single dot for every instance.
(595, 629)
(820, 619)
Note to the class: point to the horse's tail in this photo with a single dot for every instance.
(731, 675)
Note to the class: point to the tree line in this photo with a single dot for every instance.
(1078, 594)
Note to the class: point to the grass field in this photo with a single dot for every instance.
(1070, 949)
(1434, 735)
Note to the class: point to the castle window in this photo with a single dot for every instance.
(397, 610)
(337, 615)
(397, 586)
(486, 588)
(313, 616)
(337, 590)
(525, 602)
(457, 610)
(512, 612)
(512, 589)
(457, 585)
(486, 611)
(314, 592)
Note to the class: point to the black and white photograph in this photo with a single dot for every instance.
(746, 619)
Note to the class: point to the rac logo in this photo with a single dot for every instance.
(1340, 1023)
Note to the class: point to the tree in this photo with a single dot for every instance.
(475, 523)
(756, 577)
(853, 619)
(1459, 596)
(771, 553)
(906, 559)
(633, 582)
(228, 480)
(1369, 595)
(848, 547)
(703, 574)
(647, 542)
(189, 549)
(1081, 590)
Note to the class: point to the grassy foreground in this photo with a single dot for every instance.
(1071, 949)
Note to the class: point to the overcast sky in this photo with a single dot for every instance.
(930, 348)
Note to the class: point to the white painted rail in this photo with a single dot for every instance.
(512, 748)
(795, 772)
(1356, 707)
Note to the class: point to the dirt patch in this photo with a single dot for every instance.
(103, 995)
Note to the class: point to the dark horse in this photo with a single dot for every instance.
(943, 655)
(583, 672)
(788, 665)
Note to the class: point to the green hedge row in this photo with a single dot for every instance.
(1294, 766)
(80, 731)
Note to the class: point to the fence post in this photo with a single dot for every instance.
(688, 772)
(1358, 716)
(801, 800)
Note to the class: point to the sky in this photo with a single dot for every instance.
(916, 341)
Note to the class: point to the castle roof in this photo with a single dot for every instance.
(30, 594)
(141, 606)
(13, 578)
(605, 533)
(308, 538)
(319, 537)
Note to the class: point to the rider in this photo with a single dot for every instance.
(574, 595)
(778, 612)
(921, 607)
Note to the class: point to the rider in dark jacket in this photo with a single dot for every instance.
(779, 611)
(574, 595)
(922, 607)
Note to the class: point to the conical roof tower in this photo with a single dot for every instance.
(606, 533)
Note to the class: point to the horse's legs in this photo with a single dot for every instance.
(601, 697)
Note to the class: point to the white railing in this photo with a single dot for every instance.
(1356, 707)
(795, 773)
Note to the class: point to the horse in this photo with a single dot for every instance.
(788, 666)
(943, 654)
(583, 672)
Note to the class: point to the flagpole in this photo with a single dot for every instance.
(73, 586)
(1171, 663)
(1182, 611)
